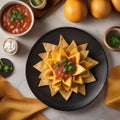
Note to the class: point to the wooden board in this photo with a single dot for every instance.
(50, 7)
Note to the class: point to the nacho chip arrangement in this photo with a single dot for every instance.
(65, 68)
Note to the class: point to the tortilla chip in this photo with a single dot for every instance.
(78, 79)
(74, 88)
(84, 54)
(74, 51)
(44, 82)
(81, 89)
(47, 74)
(90, 79)
(56, 81)
(62, 42)
(94, 62)
(85, 74)
(71, 47)
(40, 66)
(79, 70)
(53, 91)
(67, 88)
(77, 57)
(82, 47)
(56, 86)
(65, 94)
(54, 55)
(55, 48)
(50, 62)
(48, 46)
(43, 55)
(67, 82)
(62, 54)
(85, 64)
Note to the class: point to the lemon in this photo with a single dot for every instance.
(75, 10)
(100, 8)
(116, 4)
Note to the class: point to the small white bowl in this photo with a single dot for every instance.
(10, 46)
(41, 6)
(21, 3)
(108, 32)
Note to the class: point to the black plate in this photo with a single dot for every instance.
(100, 71)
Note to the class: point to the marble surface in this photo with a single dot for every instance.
(97, 109)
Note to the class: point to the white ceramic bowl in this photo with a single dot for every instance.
(21, 3)
(10, 46)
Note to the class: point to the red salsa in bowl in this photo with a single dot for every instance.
(17, 18)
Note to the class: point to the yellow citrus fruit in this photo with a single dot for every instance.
(100, 8)
(75, 10)
(116, 4)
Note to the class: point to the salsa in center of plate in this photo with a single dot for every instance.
(64, 68)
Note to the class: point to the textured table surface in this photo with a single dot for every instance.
(96, 110)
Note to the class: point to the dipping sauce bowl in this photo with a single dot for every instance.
(112, 38)
(38, 4)
(16, 18)
(10, 46)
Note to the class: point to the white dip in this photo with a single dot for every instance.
(10, 46)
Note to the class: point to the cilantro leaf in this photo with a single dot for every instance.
(17, 15)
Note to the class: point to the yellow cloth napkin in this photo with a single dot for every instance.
(14, 106)
(113, 88)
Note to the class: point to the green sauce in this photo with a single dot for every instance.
(113, 40)
(37, 2)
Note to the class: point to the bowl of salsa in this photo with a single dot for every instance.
(16, 18)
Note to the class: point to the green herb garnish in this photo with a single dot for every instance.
(71, 68)
(64, 60)
(17, 15)
(57, 65)
(65, 68)
(114, 40)
(68, 65)
(5, 67)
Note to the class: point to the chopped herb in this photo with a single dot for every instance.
(66, 65)
(69, 63)
(0, 67)
(17, 15)
(71, 68)
(65, 68)
(57, 65)
(1, 62)
(5, 67)
(64, 60)
(114, 40)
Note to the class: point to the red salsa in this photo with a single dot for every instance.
(16, 19)
(64, 68)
